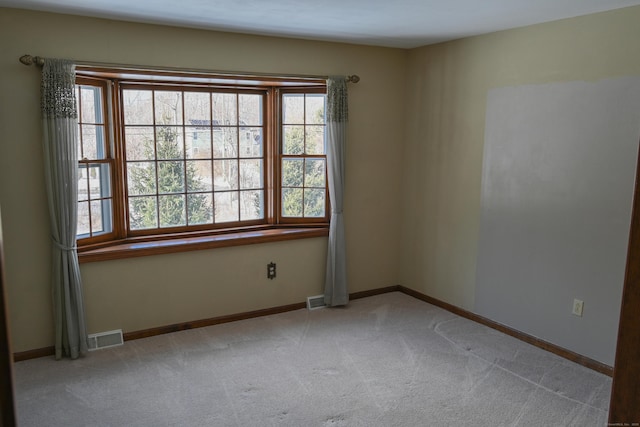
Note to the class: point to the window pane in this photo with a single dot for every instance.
(197, 109)
(292, 172)
(83, 183)
(138, 107)
(101, 221)
(226, 206)
(225, 174)
(225, 143)
(93, 143)
(93, 179)
(251, 205)
(314, 141)
(88, 141)
(172, 210)
(96, 216)
(250, 109)
(105, 177)
(141, 178)
(83, 224)
(315, 109)
(79, 145)
(139, 143)
(314, 174)
(199, 176)
(168, 107)
(292, 202)
(99, 181)
(293, 137)
(293, 109)
(251, 174)
(225, 109)
(91, 107)
(143, 212)
(314, 202)
(198, 142)
(251, 142)
(169, 142)
(200, 208)
(170, 177)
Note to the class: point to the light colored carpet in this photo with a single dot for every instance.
(387, 360)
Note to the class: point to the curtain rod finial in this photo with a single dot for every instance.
(354, 78)
(31, 60)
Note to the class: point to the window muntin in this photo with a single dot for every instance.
(303, 159)
(203, 158)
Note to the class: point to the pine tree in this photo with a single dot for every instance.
(293, 172)
(298, 175)
(172, 179)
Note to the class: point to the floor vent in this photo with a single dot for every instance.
(316, 302)
(105, 339)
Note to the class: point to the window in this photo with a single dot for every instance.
(173, 156)
(95, 199)
(303, 156)
(193, 158)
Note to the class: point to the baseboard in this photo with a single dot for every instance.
(211, 321)
(183, 326)
(34, 354)
(241, 316)
(372, 292)
(553, 348)
(145, 333)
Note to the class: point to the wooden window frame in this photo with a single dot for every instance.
(201, 227)
(106, 103)
(123, 243)
(327, 208)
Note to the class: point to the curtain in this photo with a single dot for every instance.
(336, 292)
(60, 144)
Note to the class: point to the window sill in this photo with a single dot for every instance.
(131, 249)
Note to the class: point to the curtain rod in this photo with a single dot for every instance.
(38, 60)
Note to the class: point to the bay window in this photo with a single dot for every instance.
(169, 157)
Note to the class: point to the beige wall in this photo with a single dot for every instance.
(413, 169)
(153, 291)
(447, 88)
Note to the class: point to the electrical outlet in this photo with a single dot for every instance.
(578, 305)
(271, 270)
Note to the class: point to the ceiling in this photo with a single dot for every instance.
(392, 23)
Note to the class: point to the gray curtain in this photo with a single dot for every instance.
(60, 143)
(335, 291)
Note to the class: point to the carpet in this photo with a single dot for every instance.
(386, 360)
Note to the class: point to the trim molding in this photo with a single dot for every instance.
(239, 316)
(545, 345)
(34, 354)
(210, 322)
(555, 349)
(134, 335)
(145, 246)
(372, 292)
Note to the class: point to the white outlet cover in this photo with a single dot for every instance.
(578, 306)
